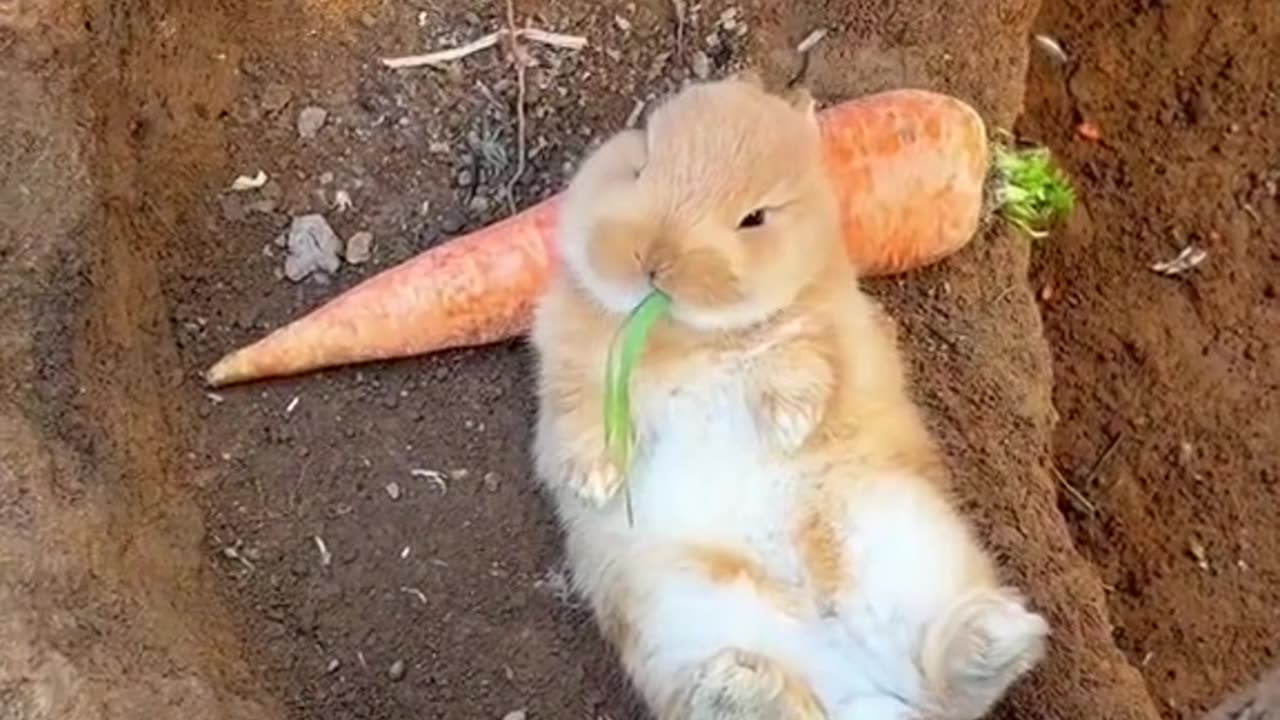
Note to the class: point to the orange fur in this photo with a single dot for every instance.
(774, 302)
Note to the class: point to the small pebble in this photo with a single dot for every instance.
(275, 97)
(333, 665)
(623, 24)
(491, 481)
(464, 178)
(516, 715)
(396, 671)
(479, 204)
(359, 248)
(313, 247)
(451, 223)
(701, 65)
(310, 120)
(393, 490)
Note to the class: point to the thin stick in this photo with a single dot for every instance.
(443, 56)
(554, 39)
(678, 7)
(521, 141)
(1074, 492)
(1102, 459)
(440, 57)
(805, 47)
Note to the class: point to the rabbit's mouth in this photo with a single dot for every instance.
(742, 315)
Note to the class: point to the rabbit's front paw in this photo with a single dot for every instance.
(596, 481)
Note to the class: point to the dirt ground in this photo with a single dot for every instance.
(1179, 377)
(369, 539)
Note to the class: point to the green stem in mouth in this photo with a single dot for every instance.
(624, 352)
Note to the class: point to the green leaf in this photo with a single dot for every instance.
(1034, 192)
(624, 352)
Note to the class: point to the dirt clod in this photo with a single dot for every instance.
(313, 246)
(359, 248)
(310, 120)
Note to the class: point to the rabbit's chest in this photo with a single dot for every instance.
(705, 473)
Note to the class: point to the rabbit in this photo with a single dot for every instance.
(790, 551)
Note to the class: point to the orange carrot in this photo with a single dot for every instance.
(909, 167)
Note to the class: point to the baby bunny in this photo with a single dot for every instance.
(792, 552)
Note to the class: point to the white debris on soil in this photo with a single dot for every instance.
(333, 665)
(313, 246)
(396, 671)
(393, 490)
(433, 477)
(326, 557)
(700, 64)
(310, 120)
(342, 201)
(1190, 257)
(811, 40)
(245, 182)
(421, 596)
(515, 715)
(1051, 48)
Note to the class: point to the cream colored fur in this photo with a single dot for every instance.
(794, 554)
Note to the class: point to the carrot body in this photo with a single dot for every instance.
(909, 167)
(473, 290)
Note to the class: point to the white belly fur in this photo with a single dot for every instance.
(705, 476)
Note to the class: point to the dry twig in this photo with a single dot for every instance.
(441, 57)
(510, 36)
(1102, 460)
(678, 7)
(1076, 494)
(518, 58)
(804, 49)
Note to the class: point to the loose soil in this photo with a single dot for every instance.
(1178, 377)
(369, 542)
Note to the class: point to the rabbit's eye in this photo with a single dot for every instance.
(755, 218)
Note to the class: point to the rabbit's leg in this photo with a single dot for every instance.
(740, 685)
(720, 643)
(979, 648)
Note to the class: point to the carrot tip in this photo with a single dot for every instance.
(223, 372)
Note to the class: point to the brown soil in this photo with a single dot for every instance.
(276, 550)
(1181, 375)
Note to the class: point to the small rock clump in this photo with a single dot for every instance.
(313, 247)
